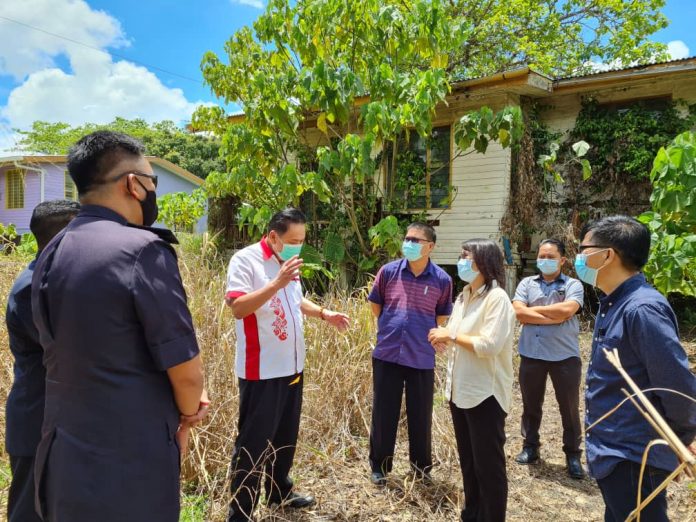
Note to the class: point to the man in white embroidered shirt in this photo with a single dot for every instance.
(265, 294)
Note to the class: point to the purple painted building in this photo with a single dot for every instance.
(26, 181)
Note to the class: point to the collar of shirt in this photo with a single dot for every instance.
(561, 277)
(482, 290)
(267, 251)
(429, 268)
(625, 288)
(101, 212)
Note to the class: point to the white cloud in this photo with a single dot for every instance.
(256, 4)
(677, 50)
(24, 50)
(95, 89)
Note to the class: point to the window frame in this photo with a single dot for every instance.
(20, 173)
(428, 150)
(67, 180)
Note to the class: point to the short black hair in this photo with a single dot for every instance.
(96, 153)
(50, 217)
(428, 230)
(560, 245)
(489, 260)
(627, 236)
(286, 217)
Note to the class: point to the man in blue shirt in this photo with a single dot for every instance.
(409, 298)
(638, 321)
(546, 305)
(124, 378)
(25, 403)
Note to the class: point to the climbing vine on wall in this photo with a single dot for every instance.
(623, 140)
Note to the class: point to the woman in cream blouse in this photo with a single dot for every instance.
(479, 377)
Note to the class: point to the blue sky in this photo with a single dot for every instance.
(44, 77)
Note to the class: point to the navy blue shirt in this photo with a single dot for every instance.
(639, 322)
(25, 403)
(111, 311)
(410, 306)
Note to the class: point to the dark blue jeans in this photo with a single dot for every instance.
(620, 487)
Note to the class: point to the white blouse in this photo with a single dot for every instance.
(472, 377)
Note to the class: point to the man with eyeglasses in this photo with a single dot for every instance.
(124, 379)
(636, 320)
(409, 297)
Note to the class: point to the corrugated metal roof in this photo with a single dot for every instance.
(627, 68)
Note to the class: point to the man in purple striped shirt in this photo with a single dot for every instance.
(409, 297)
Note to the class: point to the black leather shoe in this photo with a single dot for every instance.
(528, 455)
(378, 478)
(293, 500)
(575, 469)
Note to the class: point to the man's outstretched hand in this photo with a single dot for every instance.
(336, 319)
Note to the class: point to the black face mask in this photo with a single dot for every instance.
(149, 206)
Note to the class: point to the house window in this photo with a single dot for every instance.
(70, 189)
(422, 178)
(14, 189)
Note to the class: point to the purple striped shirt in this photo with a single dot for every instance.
(410, 306)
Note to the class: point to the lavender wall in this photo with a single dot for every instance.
(54, 188)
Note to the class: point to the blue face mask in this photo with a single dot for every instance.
(465, 270)
(290, 250)
(412, 251)
(585, 273)
(547, 266)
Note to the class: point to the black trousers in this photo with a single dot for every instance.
(20, 504)
(619, 490)
(565, 376)
(480, 434)
(269, 421)
(388, 381)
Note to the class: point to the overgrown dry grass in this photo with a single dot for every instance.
(331, 460)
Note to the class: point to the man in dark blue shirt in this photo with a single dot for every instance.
(638, 321)
(25, 403)
(123, 373)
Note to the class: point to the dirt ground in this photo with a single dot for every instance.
(538, 493)
(331, 458)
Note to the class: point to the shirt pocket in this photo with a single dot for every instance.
(600, 363)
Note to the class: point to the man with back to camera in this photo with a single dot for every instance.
(124, 378)
(546, 305)
(636, 320)
(25, 402)
(265, 294)
(409, 297)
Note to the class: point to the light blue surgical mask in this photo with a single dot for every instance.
(547, 266)
(290, 250)
(412, 251)
(466, 271)
(585, 273)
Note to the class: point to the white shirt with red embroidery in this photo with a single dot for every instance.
(270, 342)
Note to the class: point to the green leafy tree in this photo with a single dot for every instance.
(672, 220)
(196, 153)
(556, 37)
(181, 211)
(303, 75)
(350, 79)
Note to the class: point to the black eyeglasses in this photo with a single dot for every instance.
(584, 247)
(153, 177)
(416, 240)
